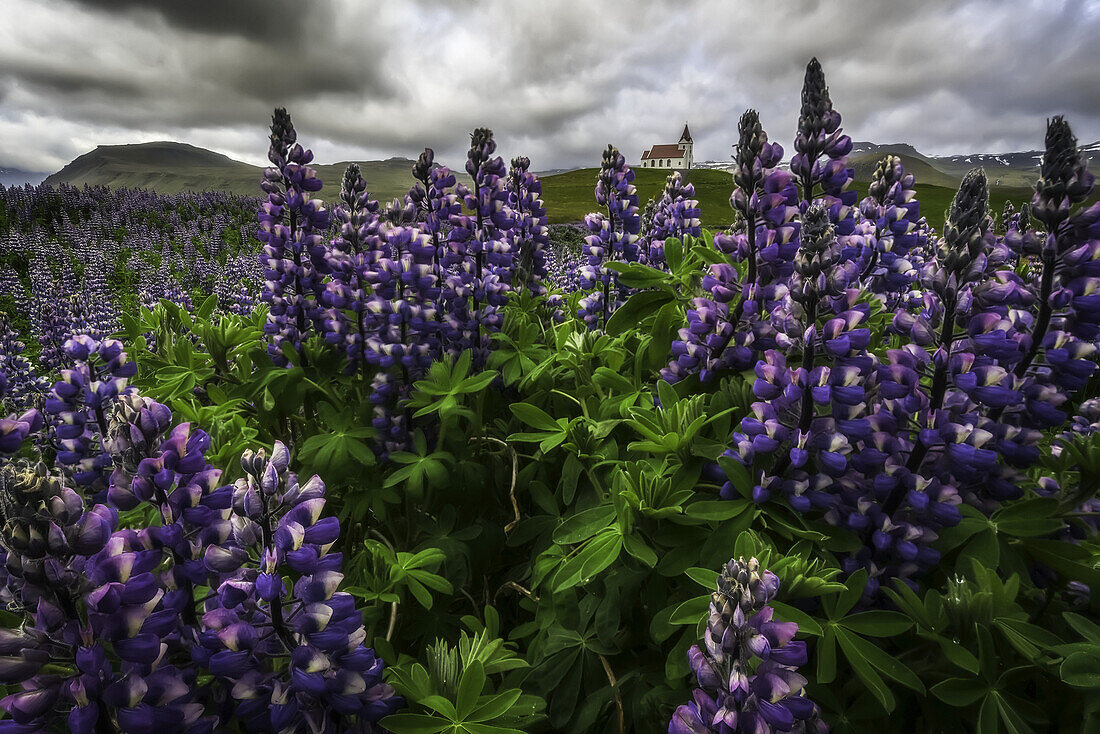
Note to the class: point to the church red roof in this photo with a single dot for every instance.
(663, 151)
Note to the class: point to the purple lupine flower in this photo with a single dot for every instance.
(675, 216)
(845, 460)
(479, 251)
(23, 385)
(332, 679)
(645, 226)
(530, 238)
(819, 134)
(290, 223)
(746, 671)
(766, 239)
(355, 251)
(90, 586)
(891, 207)
(78, 405)
(406, 304)
(613, 237)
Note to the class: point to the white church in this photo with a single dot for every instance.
(671, 156)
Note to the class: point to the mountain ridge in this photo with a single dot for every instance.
(1016, 169)
(170, 168)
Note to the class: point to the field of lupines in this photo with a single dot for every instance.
(419, 466)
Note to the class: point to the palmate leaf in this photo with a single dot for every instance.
(551, 433)
(856, 654)
(337, 452)
(661, 335)
(441, 391)
(421, 469)
(868, 660)
(807, 625)
(406, 723)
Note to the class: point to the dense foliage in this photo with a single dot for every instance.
(825, 470)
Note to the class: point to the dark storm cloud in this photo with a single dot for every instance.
(256, 19)
(557, 81)
(70, 82)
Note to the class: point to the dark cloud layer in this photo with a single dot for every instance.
(557, 81)
(256, 19)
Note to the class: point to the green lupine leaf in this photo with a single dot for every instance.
(496, 706)
(406, 723)
(1082, 670)
(877, 623)
(1084, 627)
(470, 686)
(584, 524)
(960, 691)
(636, 309)
(807, 625)
(855, 652)
(705, 577)
(826, 657)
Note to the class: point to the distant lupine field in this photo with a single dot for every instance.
(277, 464)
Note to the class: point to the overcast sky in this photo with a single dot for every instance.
(556, 79)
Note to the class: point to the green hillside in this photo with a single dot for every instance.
(170, 168)
(865, 164)
(569, 196)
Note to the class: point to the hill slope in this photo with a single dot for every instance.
(569, 196)
(174, 167)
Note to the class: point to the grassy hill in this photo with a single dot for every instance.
(174, 167)
(569, 196)
(865, 164)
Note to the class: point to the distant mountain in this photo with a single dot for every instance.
(1014, 170)
(556, 171)
(1003, 169)
(170, 168)
(11, 176)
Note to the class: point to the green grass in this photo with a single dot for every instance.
(569, 196)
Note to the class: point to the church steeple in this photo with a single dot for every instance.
(686, 137)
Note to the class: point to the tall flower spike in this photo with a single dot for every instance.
(819, 134)
(530, 237)
(614, 237)
(294, 250)
(354, 252)
(892, 229)
(480, 249)
(676, 217)
(78, 405)
(765, 237)
(1063, 178)
(746, 670)
(331, 677)
(23, 384)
